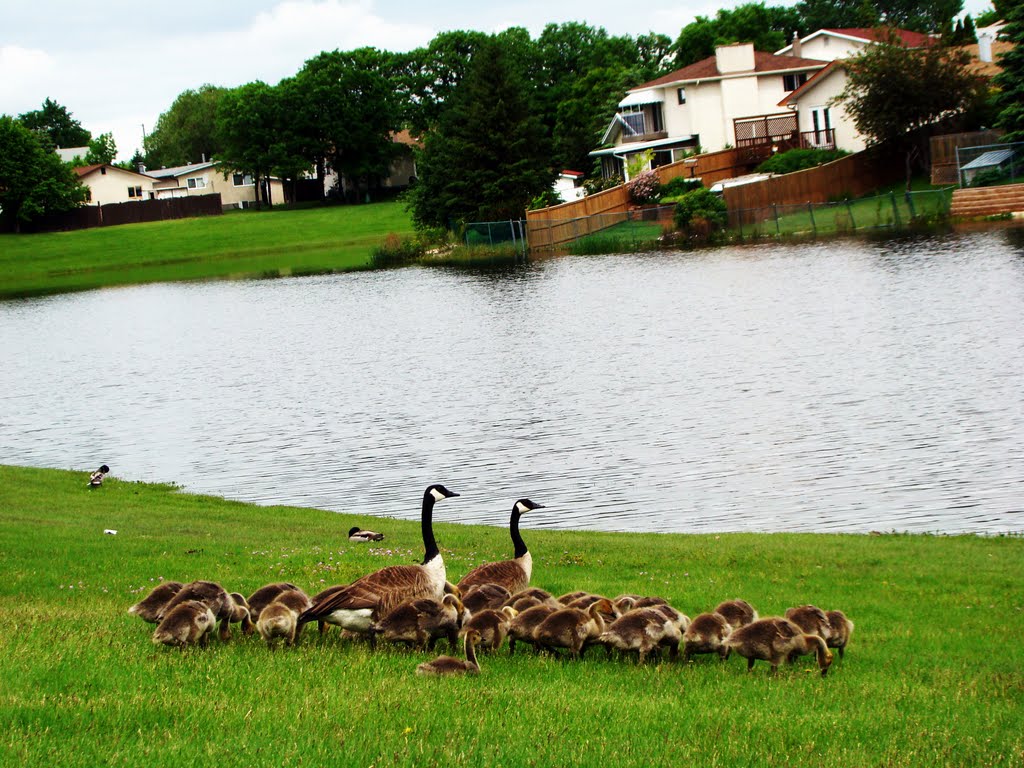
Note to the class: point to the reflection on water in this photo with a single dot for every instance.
(839, 386)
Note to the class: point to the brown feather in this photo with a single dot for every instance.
(381, 591)
(510, 574)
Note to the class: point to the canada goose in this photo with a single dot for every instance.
(774, 640)
(421, 622)
(96, 478)
(224, 608)
(368, 599)
(449, 665)
(149, 607)
(840, 629)
(737, 612)
(485, 596)
(811, 619)
(706, 634)
(280, 618)
(514, 575)
(492, 625)
(265, 595)
(642, 630)
(573, 628)
(357, 534)
(524, 626)
(187, 623)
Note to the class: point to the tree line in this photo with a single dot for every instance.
(498, 115)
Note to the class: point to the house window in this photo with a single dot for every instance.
(794, 81)
(633, 117)
(196, 182)
(135, 192)
(103, 171)
(242, 180)
(681, 95)
(822, 122)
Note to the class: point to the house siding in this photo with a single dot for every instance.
(112, 186)
(823, 94)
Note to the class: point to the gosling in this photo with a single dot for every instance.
(706, 634)
(840, 629)
(776, 639)
(280, 619)
(572, 628)
(449, 665)
(642, 630)
(188, 623)
(421, 622)
(148, 609)
(737, 612)
(492, 625)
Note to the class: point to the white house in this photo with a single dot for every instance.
(110, 184)
(237, 190)
(729, 99)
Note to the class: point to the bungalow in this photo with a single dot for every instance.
(729, 99)
(110, 184)
(237, 190)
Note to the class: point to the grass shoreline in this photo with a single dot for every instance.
(931, 677)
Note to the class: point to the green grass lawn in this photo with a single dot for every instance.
(625, 236)
(932, 676)
(243, 244)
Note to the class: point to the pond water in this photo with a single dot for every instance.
(835, 386)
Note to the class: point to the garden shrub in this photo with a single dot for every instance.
(645, 188)
(599, 184)
(799, 159)
(678, 187)
(701, 212)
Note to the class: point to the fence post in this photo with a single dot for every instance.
(910, 204)
(849, 211)
(959, 176)
(895, 211)
(775, 211)
(814, 224)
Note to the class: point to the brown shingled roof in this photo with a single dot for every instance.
(705, 69)
(881, 35)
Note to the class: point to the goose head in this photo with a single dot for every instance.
(525, 505)
(439, 492)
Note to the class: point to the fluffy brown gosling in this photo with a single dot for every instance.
(484, 597)
(776, 639)
(421, 622)
(224, 608)
(188, 623)
(149, 608)
(573, 628)
(706, 634)
(738, 613)
(492, 625)
(449, 665)
(280, 619)
(523, 627)
(641, 630)
(840, 629)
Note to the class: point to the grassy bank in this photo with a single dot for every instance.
(243, 244)
(932, 675)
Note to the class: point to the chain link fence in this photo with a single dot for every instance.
(496, 233)
(990, 165)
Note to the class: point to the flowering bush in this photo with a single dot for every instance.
(645, 188)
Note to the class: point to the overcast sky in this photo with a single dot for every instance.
(117, 64)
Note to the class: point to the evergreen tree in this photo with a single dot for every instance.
(488, 156)
(56, 122)
(1010, 82)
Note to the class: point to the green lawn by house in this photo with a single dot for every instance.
(243, 244)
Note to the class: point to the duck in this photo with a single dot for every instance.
(96, 478)
(420, 622)
(492, 625)
(573, 628)
(149, 608)
(642, 630)
(357, 534)
(366, 600)
(524, 626)
(485, 596)
(449, 665)
(279, 620)
(514, 575)
(774, 640)
(188, 623)
(223, 606)
(706, 633)
(840, 629)
(737, 612)
(265, 595)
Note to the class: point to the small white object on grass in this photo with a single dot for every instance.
(110, 532)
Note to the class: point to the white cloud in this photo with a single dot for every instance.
(24, 73)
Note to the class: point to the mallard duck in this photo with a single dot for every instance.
(149, 608)
(449, 665)
(356, 606)
(513, 574)
(188, 623)
(96, 478)
(774, 640)
(357, 534)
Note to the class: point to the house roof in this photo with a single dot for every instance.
(85, 170)
(707, 69)
(640, 146)
(988, 159)
(867, 35)
(406, 138)
(164, 173)
(988, 68)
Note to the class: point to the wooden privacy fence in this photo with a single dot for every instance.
(560, 224)
(853, 176)
(112, 214)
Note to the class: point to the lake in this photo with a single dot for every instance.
(849, 385)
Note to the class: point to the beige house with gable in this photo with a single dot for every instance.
(236, 190)
(110, 184)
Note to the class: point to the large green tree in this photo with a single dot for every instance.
(836, 14)
(1010, 82)
(187, 132)
(33, 180)
(248, 119)
(893, 90)
(488, 155)
(56, 122)
(767, 27)
(102, 149)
